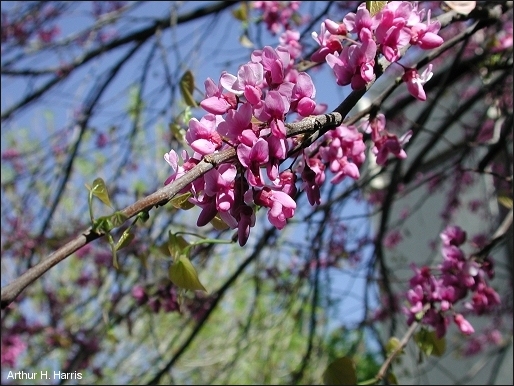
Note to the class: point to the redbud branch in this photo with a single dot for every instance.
(387, 363)
(158, 198)
(316, 126)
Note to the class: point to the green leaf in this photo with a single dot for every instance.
(118, 218)
(391, 379)
(106, 223)
(428, 343)
(505, 201)
(340, 372)
(114, 254)
(103, 225)
(183, 275)
(218, 223)
(181, 201)
(177, 245)
(124, 240)
(178, 132)
(135, 103)
(187, 86)
(143, 216)
(392, 344)
(245, 41)
(375, 7)
(241, 13)
(99, 190)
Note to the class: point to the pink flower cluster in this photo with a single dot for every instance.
(248, 110)
(395, 26)
(277, 14)
(12, 347)
(433, 297)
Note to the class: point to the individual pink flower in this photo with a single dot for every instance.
(202, 135)
(355, 64)
(248, 82)
(391, 35)
(464, 326)
(291, 41)
(425, 35)
(313, 176)
(252, 157)
(179, 170)
(220, 183)
(415, 81)
(236, 122)
(390, 143)
(215, 101)
(329, 43)
(453, 235)
(302, 95)
(281, 205)
(277, 153)
(276, 62)
(273, 110)
(355, 22)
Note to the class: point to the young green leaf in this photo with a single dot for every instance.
(241, 13)
(505, 201)
(340, 372)
(375, 7)
(124, 240)
(178, 132)
(118, 218)
(177, 245)
(187, 86)
(392, 344)
(181, 201)
(429, 343)
(183, 275)
(218, 223)
(99, 190)
(103, 225)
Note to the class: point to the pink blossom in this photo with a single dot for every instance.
(281, 205)
(277, 14)
(220, 183)
(202, 135)
(277, 152)
(12, 347)
(328, 43)
(313, 176)
(392, 239)
(425, 35)
(236, 122)
(215, 101)
(355, 64)
(179, 170)
(453, 235)
(391, 34)
(390, 143)
(252, 157)
(356, 22)
(248, 82)
(415, 81)
(275, 63)
(291, 41)
(464, 326)
(303, 94)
